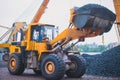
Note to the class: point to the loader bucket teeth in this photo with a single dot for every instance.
(93, 16)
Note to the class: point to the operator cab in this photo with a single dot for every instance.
(41, 32)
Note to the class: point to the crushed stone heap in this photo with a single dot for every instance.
(105, 64)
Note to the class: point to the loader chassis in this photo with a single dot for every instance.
(37, 53)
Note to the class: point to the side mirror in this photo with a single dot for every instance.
(57, 30)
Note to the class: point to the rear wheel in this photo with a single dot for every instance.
(15, 64)
(78, 66)
(52, 67)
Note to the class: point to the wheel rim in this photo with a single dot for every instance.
(13, 63)
(49, 67)
(74, 66)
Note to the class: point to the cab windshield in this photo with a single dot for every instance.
(41, 32)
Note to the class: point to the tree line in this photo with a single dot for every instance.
(91, 48)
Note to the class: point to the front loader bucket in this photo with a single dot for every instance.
(93, 16)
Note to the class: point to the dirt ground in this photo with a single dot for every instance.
(29, 75)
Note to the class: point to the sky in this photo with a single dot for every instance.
(57, 13)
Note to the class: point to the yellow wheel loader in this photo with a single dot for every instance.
(35, 47)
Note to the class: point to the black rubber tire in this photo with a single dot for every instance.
(80, 69)
(19, 69)
(37, 72)
(59, 67)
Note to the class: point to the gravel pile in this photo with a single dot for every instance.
(105, 64)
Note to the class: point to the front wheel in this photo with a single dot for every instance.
(52, 67)
(78, 66)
